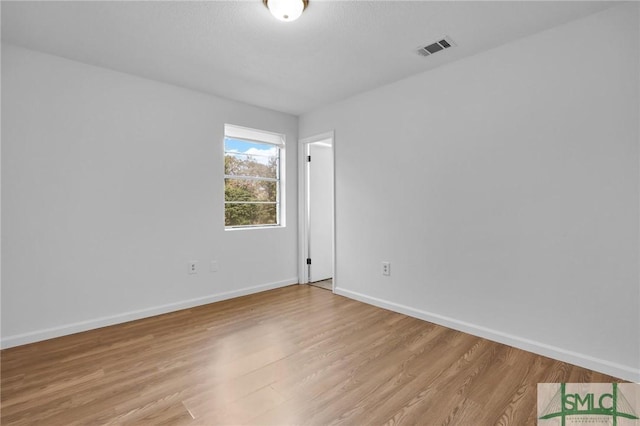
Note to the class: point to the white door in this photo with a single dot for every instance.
(320, 202)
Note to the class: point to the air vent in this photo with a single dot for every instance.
(439, 45)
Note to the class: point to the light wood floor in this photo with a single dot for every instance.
(296, 355)
(325, 284)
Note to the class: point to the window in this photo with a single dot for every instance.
(253, 178)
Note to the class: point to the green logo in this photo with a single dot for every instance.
(590, 404)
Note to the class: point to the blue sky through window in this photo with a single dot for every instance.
(259, 152)
(236, 145)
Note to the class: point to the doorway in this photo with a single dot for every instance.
(317, 210)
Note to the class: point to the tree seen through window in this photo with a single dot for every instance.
(252, 179)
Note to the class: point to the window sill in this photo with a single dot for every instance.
(249, 228)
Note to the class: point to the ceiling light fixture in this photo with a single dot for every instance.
(286, 10)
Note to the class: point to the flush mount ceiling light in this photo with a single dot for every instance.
(286, 10)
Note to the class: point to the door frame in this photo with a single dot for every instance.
(303, 206)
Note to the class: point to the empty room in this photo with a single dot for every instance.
(283, 212)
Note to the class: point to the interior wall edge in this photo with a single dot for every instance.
(600, 365)
(92, 324)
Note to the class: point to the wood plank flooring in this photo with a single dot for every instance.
(295, 355)
(325, 284)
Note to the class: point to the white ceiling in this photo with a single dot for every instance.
(237, 50)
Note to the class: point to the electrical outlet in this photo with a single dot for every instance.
(213, 267)
(386, 268)
(193, 267)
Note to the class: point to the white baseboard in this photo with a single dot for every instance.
(613, 369)
(77, 327)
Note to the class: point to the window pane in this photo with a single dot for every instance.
(240, 214)
(250, 190)
(243, 158)
(252, 161)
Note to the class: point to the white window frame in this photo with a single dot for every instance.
(263, 137)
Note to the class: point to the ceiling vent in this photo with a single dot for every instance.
(442, 44)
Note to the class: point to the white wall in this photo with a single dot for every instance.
(503, 188)
(110, 185)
